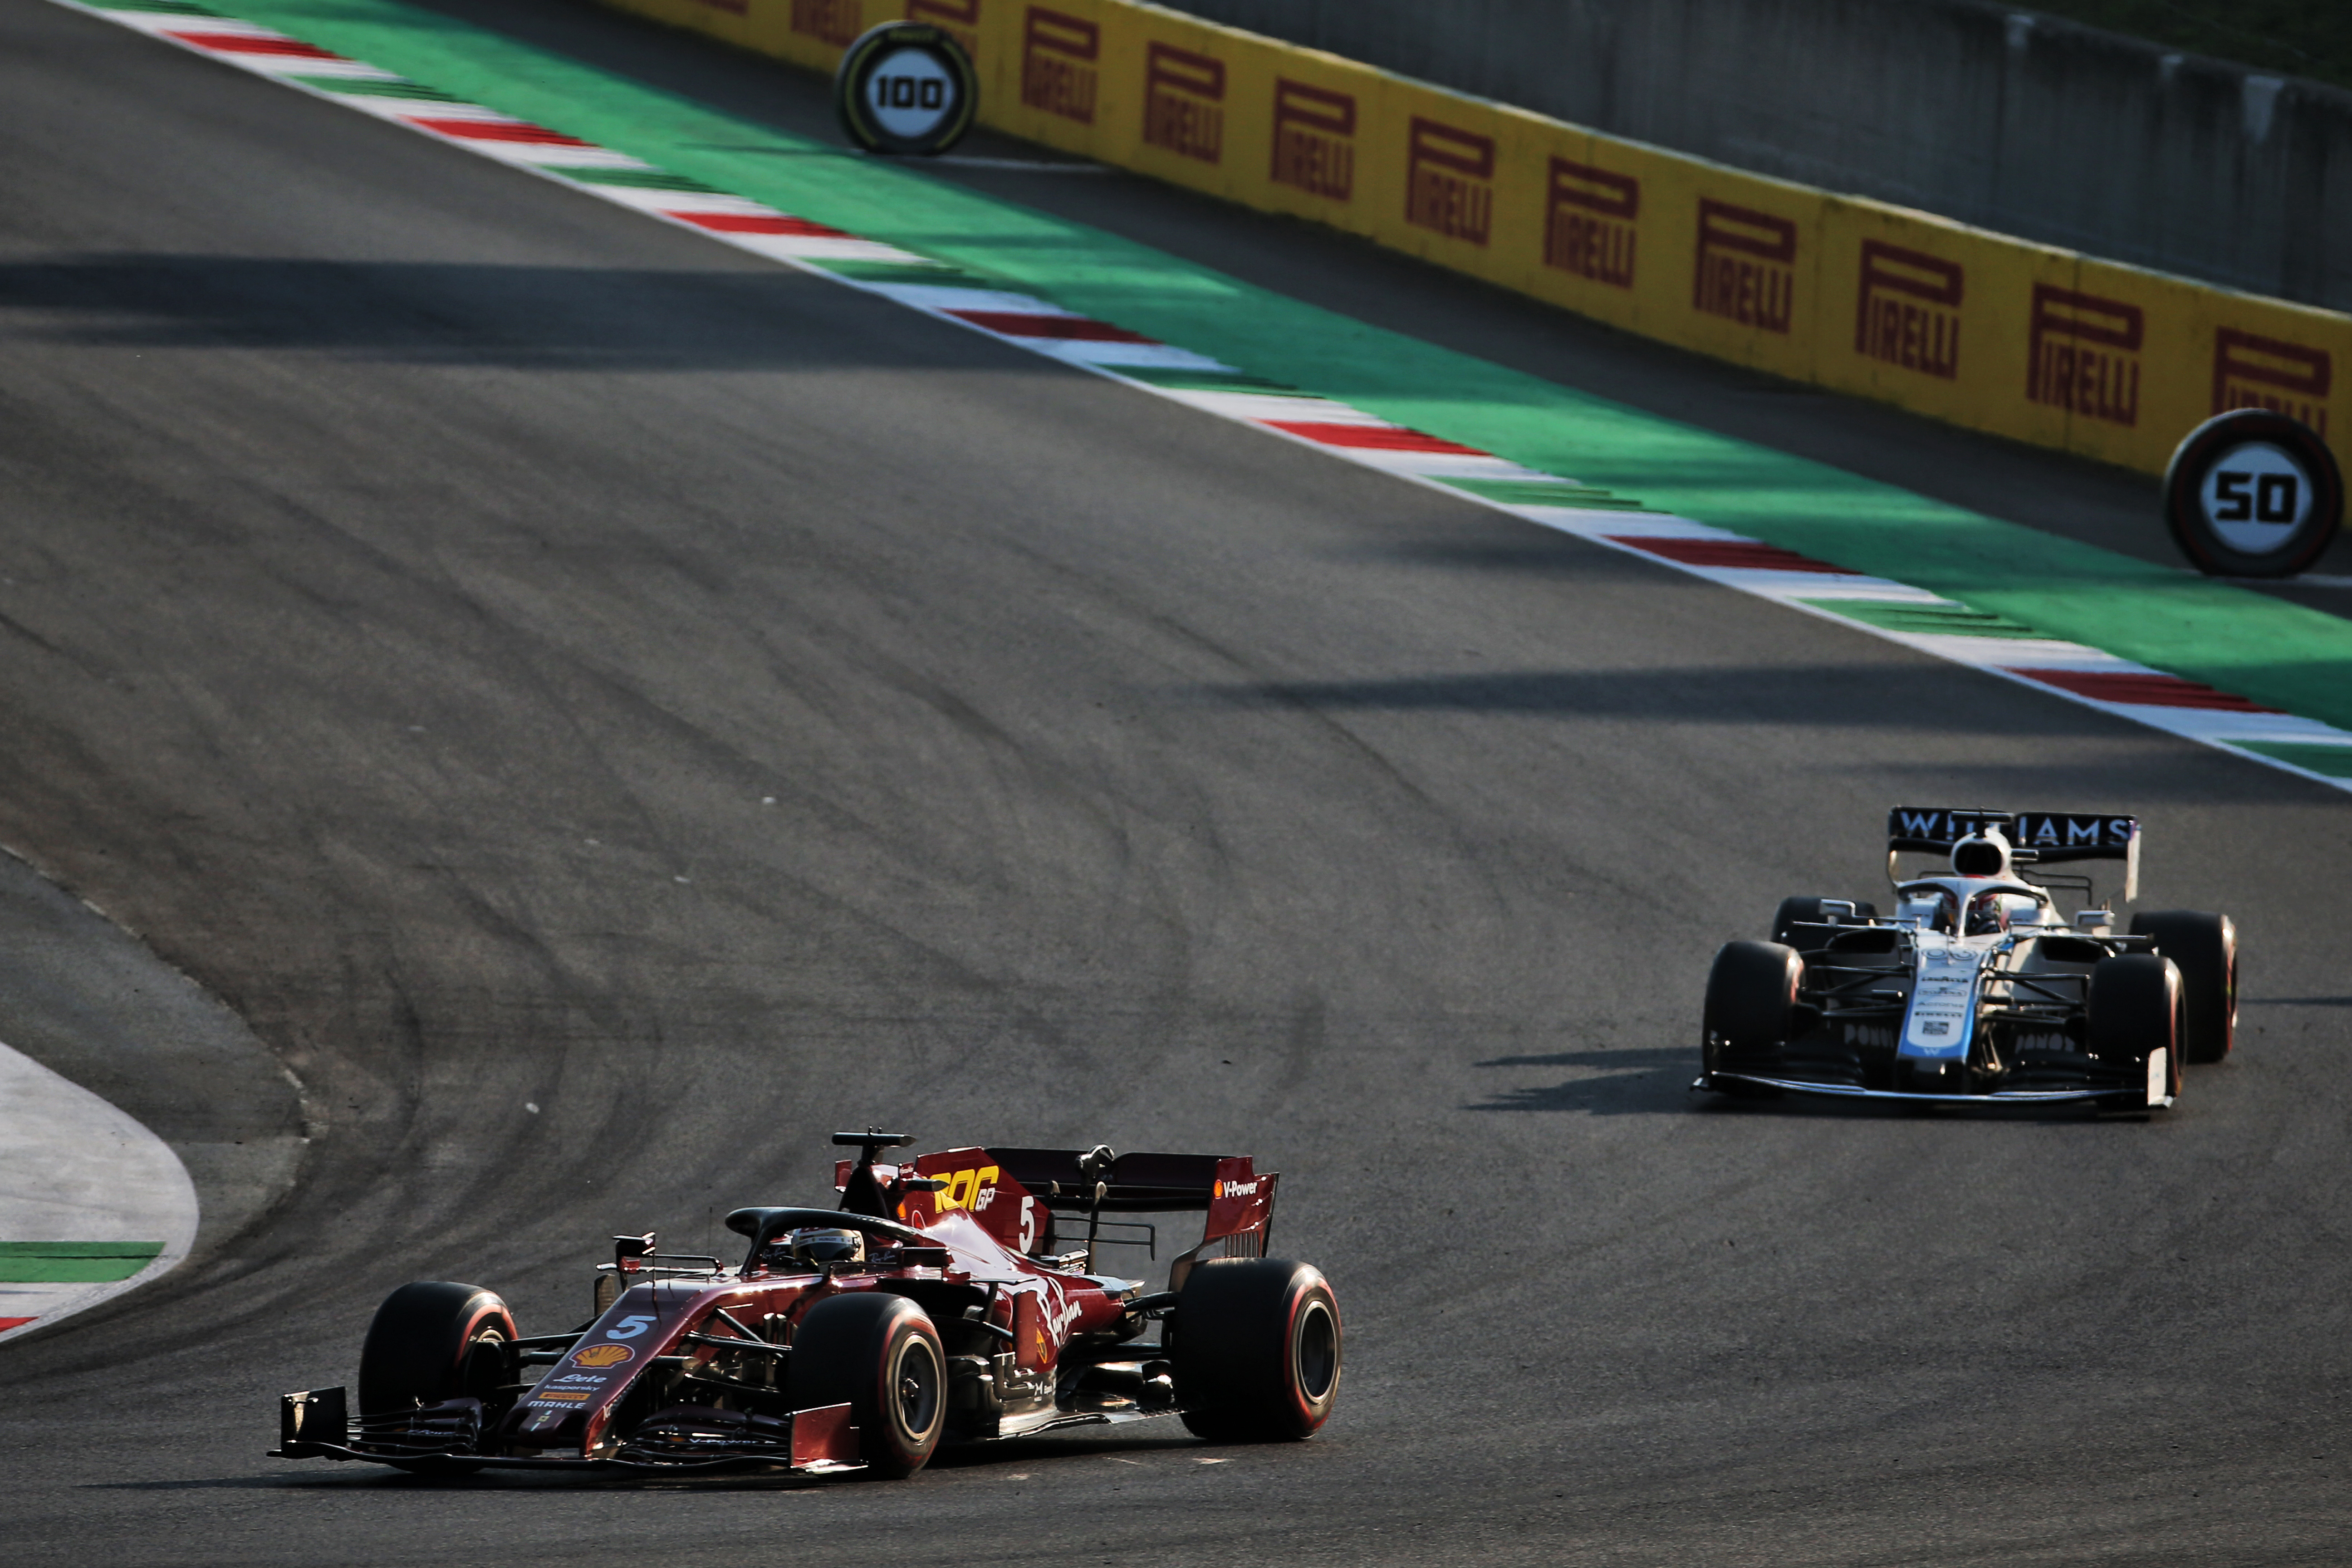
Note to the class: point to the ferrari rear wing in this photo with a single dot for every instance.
(1065, 1180)
(1015, 1194)
(2036, 837)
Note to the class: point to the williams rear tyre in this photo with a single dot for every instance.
(1794, 912)
(880, 1355)
(435, 1341)
(1257, 1350)
(2137, 1008)
(2206, 948)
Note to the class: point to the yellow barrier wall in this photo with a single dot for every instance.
(2026, 340)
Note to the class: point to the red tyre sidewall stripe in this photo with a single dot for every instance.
(1291, 1383)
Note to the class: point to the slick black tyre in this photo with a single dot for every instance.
(2136, 1008)
(2206, 948)
(1794, 912)
(880, 1355)
(1257, 1350)
(1752, 1002)
(431, 1341)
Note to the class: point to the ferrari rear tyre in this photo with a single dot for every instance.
(431, 1341)
(2136, 1009)
(879, 1355)
(1256, 1350)
(2206, 948)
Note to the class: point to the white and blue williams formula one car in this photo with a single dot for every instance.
(1977, 990)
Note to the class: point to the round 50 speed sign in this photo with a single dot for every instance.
(905, 87)
(2252, 494)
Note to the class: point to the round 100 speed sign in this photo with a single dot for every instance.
(2252, 493)
(906, 87)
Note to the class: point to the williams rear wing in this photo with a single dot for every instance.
(2036, 837)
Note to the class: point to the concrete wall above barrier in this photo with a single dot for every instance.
(1973, 108)
(2027, 341)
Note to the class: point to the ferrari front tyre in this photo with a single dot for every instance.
(2206, 948)
(431, 1341)
(2136, 1008)
(879, 1355)
(1257, 1350)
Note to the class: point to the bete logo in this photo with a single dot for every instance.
(1747, 265)
(602, 1355)
(2251, 372)
(1314, 139)
(1447, 180)
(1057, 69)
(1182, 97)
(1907, 310)
(2083, 354)
(959, 19)
(1589, 222)
(835, 22)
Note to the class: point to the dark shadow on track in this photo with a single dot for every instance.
(535, 317)
(1824, 694)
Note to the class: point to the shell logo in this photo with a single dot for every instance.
(1218, 1190)
(603, 1355)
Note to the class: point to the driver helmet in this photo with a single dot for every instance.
(827, 1246)
(1987, 913)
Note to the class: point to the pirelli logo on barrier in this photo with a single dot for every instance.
(2083, 354)
(1747, 265)
(1314, 139)
(829, 21)
(1183, 102)
(1449, 181)
(1058, 52)
(1588, 217)
(1907, 310)
(959, 19)
(2251, 372)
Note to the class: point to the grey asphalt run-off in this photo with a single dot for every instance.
(517, 655)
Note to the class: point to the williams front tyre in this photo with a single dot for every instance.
(2135, 1022)
(1257, 1350)
(1751, 1007)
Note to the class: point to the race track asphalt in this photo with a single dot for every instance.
(520, 657)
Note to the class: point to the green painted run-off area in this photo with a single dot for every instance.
(74, 1262)
(2279, 654)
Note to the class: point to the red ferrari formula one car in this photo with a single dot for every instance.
(934, 1304)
